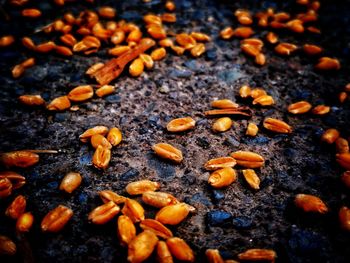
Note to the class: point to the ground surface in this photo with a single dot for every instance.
(233, 219)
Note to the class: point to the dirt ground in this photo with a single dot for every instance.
(232, 219)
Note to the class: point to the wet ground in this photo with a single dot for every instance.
(232, 219)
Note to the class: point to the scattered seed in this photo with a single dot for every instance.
(227, 33)
(342, 145)
(252, 129)
(107, 12)
(24, 222)
(156, 227)
(245, 91)
(70, 182)
(222, 124)
(140, 187)
(31, 12)
(285, 49)
(126, 230)
(147, 61)
(248, 159)
(56, 219)
(158, 54)
(142, 246)
(85, 136)
(224, 104)
(7, 247)
(105, 90)
(158, 199)
(243, 32)
(299, 107)
(21, 159)
(344, 160)
(114, 136)
(220, 162)
(107, 195)
(257, 92)
(16, 179)
(17, 207)
(310, 203)
(6, 41)
(181, 124)
(277, 126)
(173, 214)
(272, 38)
(104, 213)
(167, 151)
(101, 157)
(251, 178)
(321, 110)
(264, 100)
(136, 67)
(163, 253)
(258, 255)
(31, 100)
(180, 250)
(344, 218)
(133, 210)
(198, 50)
(330, 136)
(81, 93)
(5, 188)
(326, 64)
(222, 177)
(213, 256)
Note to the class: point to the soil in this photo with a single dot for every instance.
(233, 219)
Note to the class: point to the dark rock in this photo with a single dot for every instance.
(242, 222)
(130, 174)
(218, 218)
(113, 98)
(180, 73)
(229, 76)
(203, 142)
(164, 169)
(218, 195)
(198, 198)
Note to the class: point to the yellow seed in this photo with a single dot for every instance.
(310, 203)
(227, 33)
(248, 159)
(98, 139)
(344, 218)
(133, 210)
(178, 50)
(21, 159)
(272, 38)
(185, 40)
(134, 36)
(101, 157)
(114, 136)
(158, 54)
(222, 177)
(180, 250)
(70, 182)
(5, 188)
(168, 18)
(252, 129)
(31, 100)
(15, 179)
(260, 59)
(158, 199)
(258, 255)
(198, 50)
(330, 136)
(220, 162)
(277, 126)
(156, 227)
(285, 49)
(147, 61)
(17, 71)
(245, 91)
(25, 222)
(105, 90)
(140, 187)
(64, 51)
(126, 230)
(45, 47)
(81, 93)
(107, 12)
(345, 178)
(213, 256)
(167, 151)
(264, 100)
(250, 50)
(56, 219)
(104, 213)
(119, 50)
(142, 246)
(201, 37)
(326, 64)
(181, 124)
(321, 110)
(251, 178)
(222, 124)
(136, 67)
(243, 32)
(167, 42)
(224, 104)
(173, 214)
(152, 20)
(299, 107)
(156, 31)
(7, 247)
(68, 39)
(17, 207)
(163, 253)
(312, 50)
(344, 160)
(6, 41)
(28, 43)
(342, 145)
(170, 6)
(31, 12)
(85, 136)
(256, 93)
(118, 37)
(342, 96)
(108, 195)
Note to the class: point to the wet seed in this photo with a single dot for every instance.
(5, 188)
(198, 50)
(321, 110)
(147, 61)
(326, 64)
(299, 107)
(224, 104)
(227, 33)
(158, 54)
(264, 100)
(345, 178)
(344, 160)
(342, 145)
(245, 91)
(344, 218)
